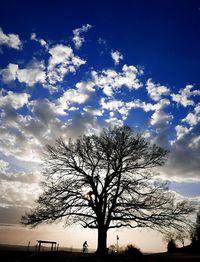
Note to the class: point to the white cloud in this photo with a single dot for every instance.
(193, 118)
(195, 142)
(183, 96)
(10, 73)
(18, 193)
(10, 40)
(110, 80)
(61, 62)
(24, 137)
(113, 120)
(82, 123)
(14, 100)
(32, 74)
(159, 117)
(93, 111)
(156, 91)
(3, 166)
(22, 177)
(184, 157)
(39, 40)
(111, 105)
(181, 131)
(116, 56)
(77, 38)
(79, 95)
(160, 121)
(124, 108)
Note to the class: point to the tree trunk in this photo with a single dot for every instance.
(102, 241)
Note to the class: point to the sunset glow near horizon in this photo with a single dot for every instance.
(68, 69)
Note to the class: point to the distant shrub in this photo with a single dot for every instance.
(171, 246)
(132, 250)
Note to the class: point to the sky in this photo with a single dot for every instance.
(69, 68)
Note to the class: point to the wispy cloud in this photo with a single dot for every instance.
(41, 41)
(77, 38)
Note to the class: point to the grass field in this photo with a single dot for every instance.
(61, 256)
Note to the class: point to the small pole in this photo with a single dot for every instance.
(28, 245)
(39, 247)
(117, 238)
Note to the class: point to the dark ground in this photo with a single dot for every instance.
(63, 256)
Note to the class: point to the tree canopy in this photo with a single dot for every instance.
(107, 181)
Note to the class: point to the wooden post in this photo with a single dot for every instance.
(39, 246)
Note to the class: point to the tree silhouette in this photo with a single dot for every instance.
(106, 181)
(195, 234)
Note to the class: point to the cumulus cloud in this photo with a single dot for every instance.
(110, 80)
(156, 91)
(82, 123)
(78, 95)
(10, 73)
(61, 62)
(32, 74)
(195, 142)
(184, 157)
(181, 131)
(93, 111)
(77, 38)
(123, 108)
(184, 96)
(159, 117)
(10, 40)
(14, 100)
(112, 120)
(160, 121)
(193, 118)
(106, 96)
(116, 56)
(24, 136)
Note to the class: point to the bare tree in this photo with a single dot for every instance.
(177, 235)
(106, 181)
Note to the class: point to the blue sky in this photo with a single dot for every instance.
(69, 68)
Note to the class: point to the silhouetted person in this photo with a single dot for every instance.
(85, 247)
